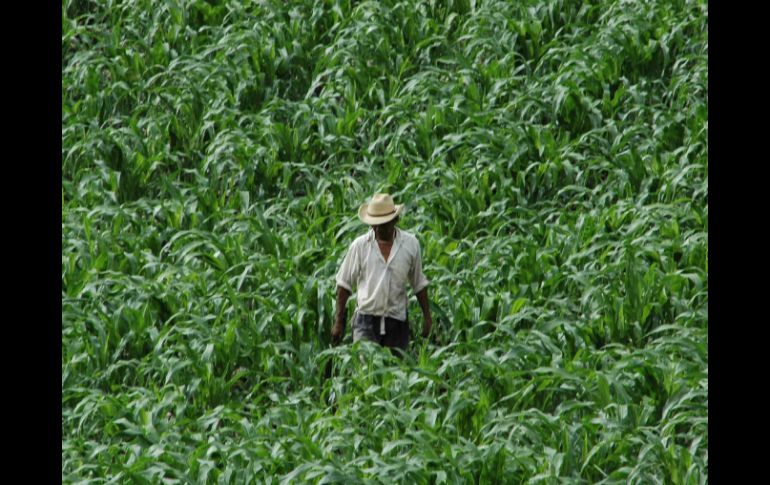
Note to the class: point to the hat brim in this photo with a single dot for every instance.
(377, 220)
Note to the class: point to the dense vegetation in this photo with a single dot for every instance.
(553, 157)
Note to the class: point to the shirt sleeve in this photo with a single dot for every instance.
(347, 276)
(416, 276)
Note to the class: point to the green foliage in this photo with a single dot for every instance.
(553, 156)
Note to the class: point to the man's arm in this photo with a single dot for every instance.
(422, 297)
(338, 330)
(346, 278)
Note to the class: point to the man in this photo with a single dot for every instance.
(380, 264)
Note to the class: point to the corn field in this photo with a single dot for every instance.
(553, 159)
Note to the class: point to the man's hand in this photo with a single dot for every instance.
(426, 326)
(338, 331)
(422, 297)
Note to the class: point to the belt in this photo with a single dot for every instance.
(381, 318)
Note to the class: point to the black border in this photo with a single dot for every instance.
(33, 242)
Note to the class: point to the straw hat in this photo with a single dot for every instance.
(380, 210)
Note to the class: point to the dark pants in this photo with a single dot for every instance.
(396, 336)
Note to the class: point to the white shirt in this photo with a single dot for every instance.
(382, 284)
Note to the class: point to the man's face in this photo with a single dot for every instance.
(384, 231)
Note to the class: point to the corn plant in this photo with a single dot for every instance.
(553, 157)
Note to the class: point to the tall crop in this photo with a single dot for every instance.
(553, 156)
